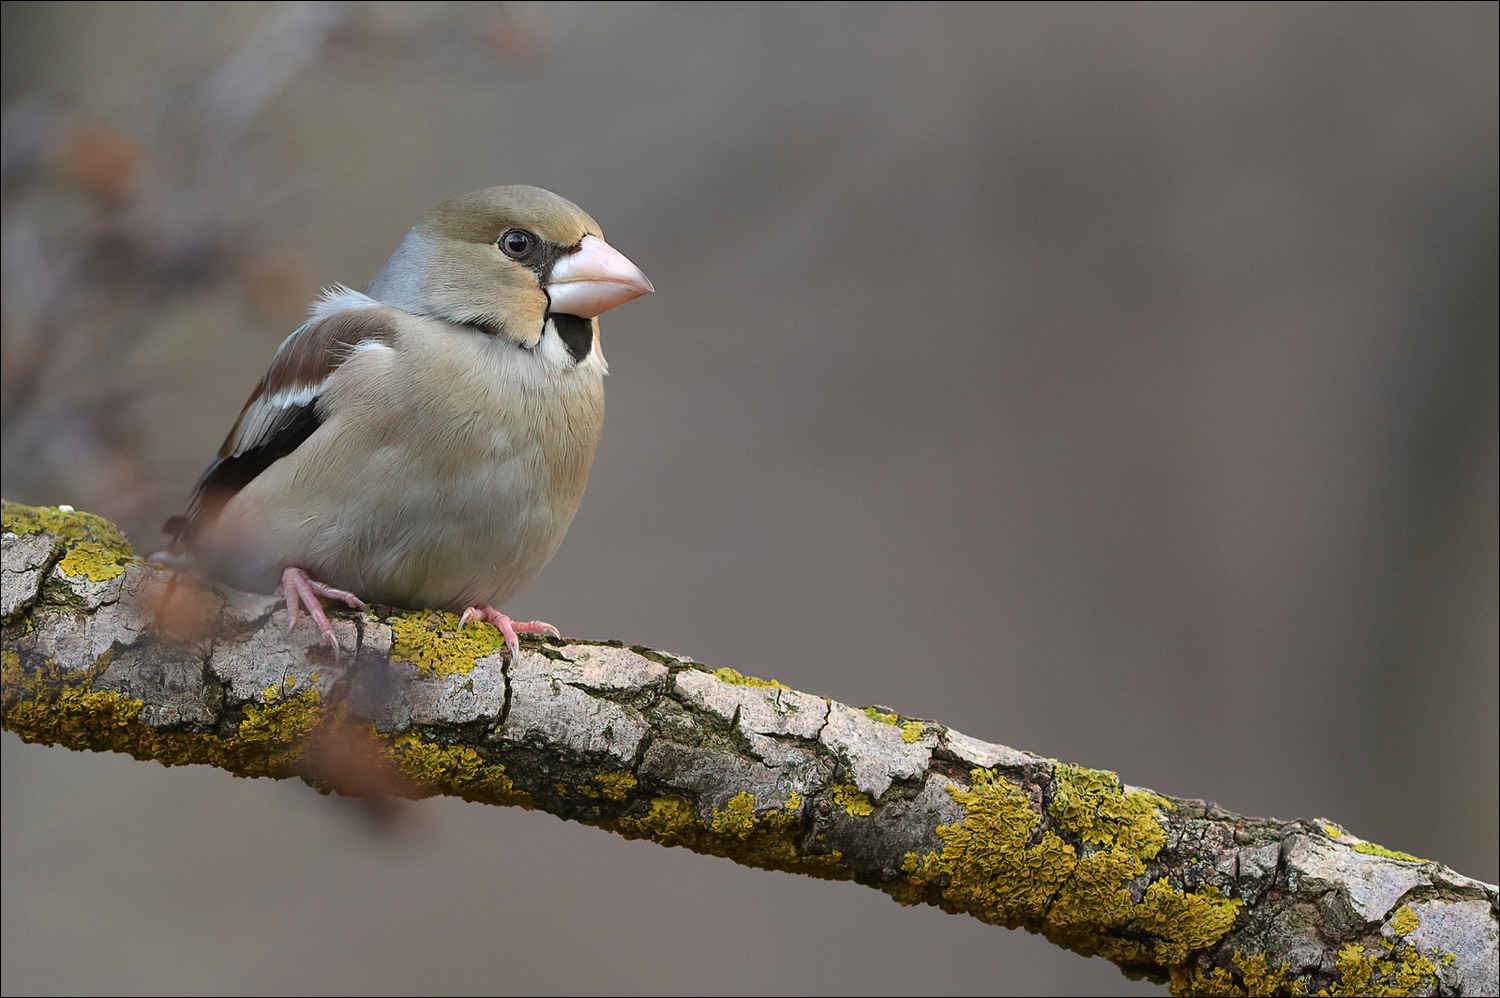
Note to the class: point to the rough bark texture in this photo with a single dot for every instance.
(105, 652)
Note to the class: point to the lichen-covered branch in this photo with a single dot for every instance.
(105, 652)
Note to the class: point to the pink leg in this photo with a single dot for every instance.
(509, 628)
(300, 591)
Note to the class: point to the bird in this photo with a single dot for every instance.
(425, 442)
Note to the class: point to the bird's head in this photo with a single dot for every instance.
(507, 260)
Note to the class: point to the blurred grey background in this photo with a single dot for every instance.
(1115, 382)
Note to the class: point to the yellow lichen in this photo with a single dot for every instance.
(96, 549)
(50, 704)
(855, 802)
(1255, 976)
(94, 561)
(671, 820)
(1364, 972)
(269, 741)
(20, 684)
(1091, 803)
(911, 730)
(1001, 866)
(990, 867)
(1360, 972)
(738, 817)
(1404, 921)
(769, 838)
(78, 718)
(1182, 921)
(1371, 849)
(437, 646)
(736, 678)
(10, 668)
(1262, 979)
(278, 730)
(616, 784)
(456, 770)
(1216, 982)
(910, 888)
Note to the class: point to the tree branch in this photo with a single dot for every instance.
(105, 652)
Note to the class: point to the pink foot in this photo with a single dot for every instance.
(509, 628)
(300, 591)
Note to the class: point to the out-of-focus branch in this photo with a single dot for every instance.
(108, 221)
(118, 217)
(105, 652)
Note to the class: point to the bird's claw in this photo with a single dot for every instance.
(302, 592)
(510, 628)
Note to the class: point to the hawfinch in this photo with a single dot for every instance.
(425, 442)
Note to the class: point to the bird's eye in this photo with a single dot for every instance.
(517, 243)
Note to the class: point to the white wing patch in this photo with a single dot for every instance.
(343, 323)
(261, 420)
(286, 407)
(294, 396)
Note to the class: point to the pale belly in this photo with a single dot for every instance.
(448, 526)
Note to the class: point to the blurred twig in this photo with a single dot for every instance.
(111, 224)
(107, 222)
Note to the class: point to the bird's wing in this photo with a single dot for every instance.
(287, 405)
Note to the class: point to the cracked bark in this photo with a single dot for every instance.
(105, 652)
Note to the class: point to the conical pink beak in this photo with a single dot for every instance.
(594, 278)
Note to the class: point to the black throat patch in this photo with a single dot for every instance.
(577, 334)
